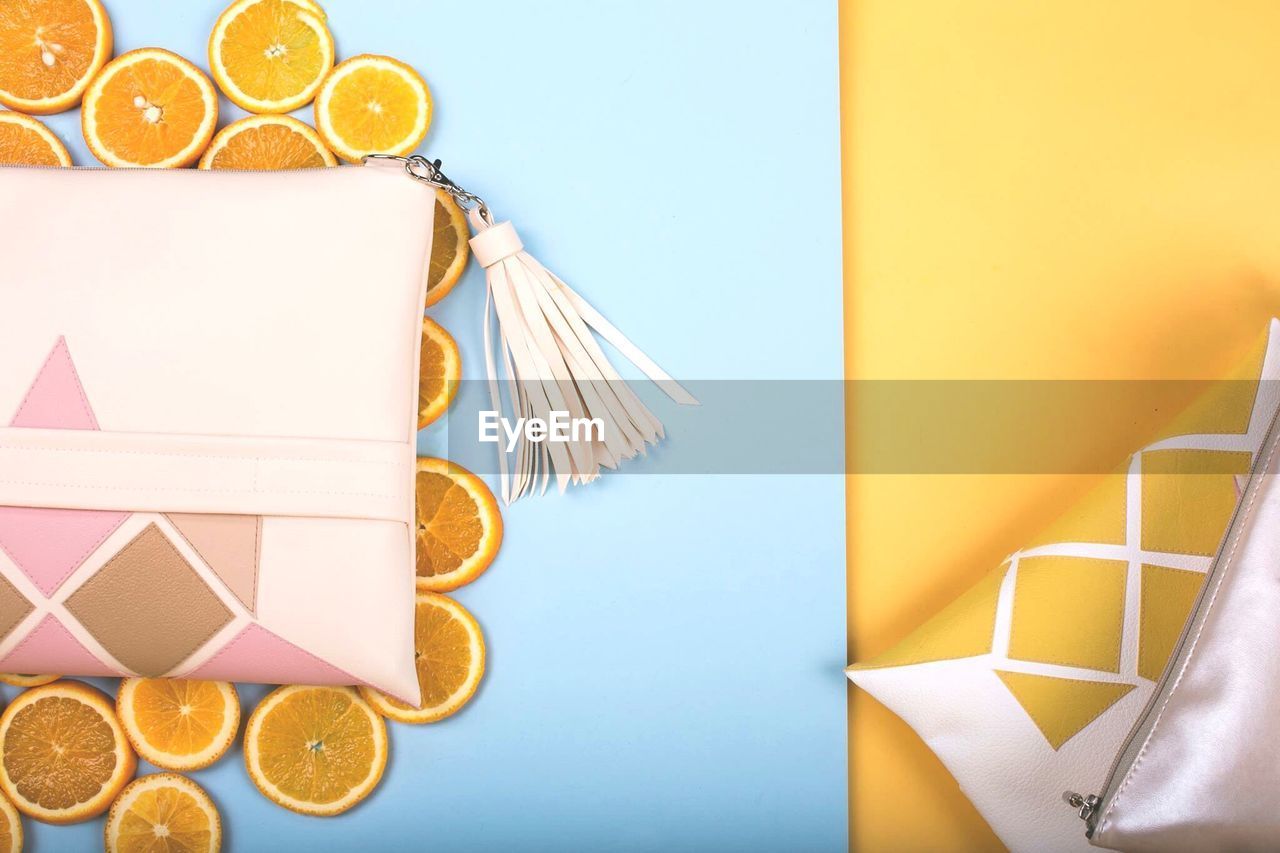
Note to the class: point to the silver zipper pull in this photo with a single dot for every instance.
(1085, 805)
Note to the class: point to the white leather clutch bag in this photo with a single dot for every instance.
(1201, 768)
(207, 422)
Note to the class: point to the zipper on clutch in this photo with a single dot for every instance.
(1090, 807)
(1085, 805)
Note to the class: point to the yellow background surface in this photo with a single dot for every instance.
(1057, 189)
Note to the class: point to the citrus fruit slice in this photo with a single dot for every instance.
(449, 653)
(450, 248)
(315, 750)
(63, 754)
(459, 525)
(163, 813)
(267, 142)
(373, 105)
(49, 51)
(149, 107)
(10, 827)
(178, 724)
(26, 142)
(270, 56)
(27, 680)
(313, 7)
(439, 369)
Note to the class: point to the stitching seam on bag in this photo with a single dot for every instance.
(257, 563)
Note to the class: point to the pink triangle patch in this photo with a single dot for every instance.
(49, 544)
(256, 654)
(51, 649)
(56, 399)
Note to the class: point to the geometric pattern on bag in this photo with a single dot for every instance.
(86, 600)
(1097, 601)
(1026, 684)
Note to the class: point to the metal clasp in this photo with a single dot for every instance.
(429, 172)
(1085, 806)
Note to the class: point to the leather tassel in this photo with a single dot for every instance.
(539, 334)
(540, 348)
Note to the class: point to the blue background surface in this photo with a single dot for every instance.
(665, 651)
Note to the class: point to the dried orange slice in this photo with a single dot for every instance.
(440, 368)
(63, 754)
(267, 142)
(450, 248)
(27, 680)
(149, 107)
(449, 653)
(459, 525)
(178, 724)
(26, 142)
(270, 56)
(10, 827)
(373, 105)
(315, 750)
(49, 51)
(163, 813)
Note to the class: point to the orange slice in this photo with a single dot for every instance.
(63, 754)
(449, 652)
(270, 56)
(315, 750)
(26, 142)
(313, 7)
(373, 105)
(267, 142)
(149, 107)
(440, 368)
(178, 724)
(163, 813)
(49, 51)
(10, 827)
(459, 525)
(27, 680)
(450, 248)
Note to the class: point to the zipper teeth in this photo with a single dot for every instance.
(1123, 758)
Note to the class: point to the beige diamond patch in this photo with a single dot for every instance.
(13, 607)
(148, 607)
